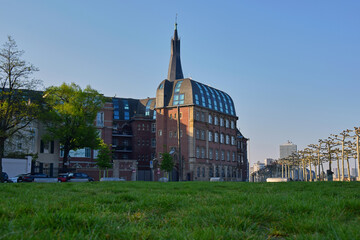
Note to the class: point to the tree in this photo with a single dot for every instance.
(104, 157)
(19, 103)
(167, 163)
(70, 117)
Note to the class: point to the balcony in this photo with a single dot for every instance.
(122, 148)
(121, 134)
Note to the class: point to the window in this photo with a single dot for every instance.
(170, 134)
(161, 86)
(228, 156)
(216, 137)
(153, 142)
(216, 154)
(232, 124)
(222, 155)
(221, 138)
(210, 119)
(197, 99)
(126, 109)
(46, 147)
(197, 152)
(160, 132)
(202, 152)
(216, 121)
(180, 133)
(227, 139)
(126, 115)
(147, 109)
(233, 140)
(198, 171)
(221, 122)
(233, 157)
(170, 116)
(203, 172)
(203, 117)
(116, 109)
(197, 116)
(210, 136)
(227, 123)
(197, 134)
(100, 119)
(202, 134)
(211, 173)
(153, 127)
(177, 86)
(210, 154)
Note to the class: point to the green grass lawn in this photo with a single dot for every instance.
(188, 210)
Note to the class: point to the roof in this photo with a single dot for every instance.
(189, 92)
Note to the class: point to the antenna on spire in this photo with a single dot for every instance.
(176, 21)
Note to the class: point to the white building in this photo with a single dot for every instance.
(287, 149)
(268, 161)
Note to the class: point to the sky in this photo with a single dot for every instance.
(291, 67)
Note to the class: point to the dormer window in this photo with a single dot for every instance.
(177, 86)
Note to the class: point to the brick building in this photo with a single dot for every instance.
(192, 121)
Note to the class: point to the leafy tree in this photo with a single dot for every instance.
(167, 163)
(104, 157)
(19, 103)
(70, 117)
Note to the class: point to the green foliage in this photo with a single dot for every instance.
(71, 115)
(167, 163)
(104, 157)
(180, 210)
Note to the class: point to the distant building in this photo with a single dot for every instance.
(287, 149)
(268, 161)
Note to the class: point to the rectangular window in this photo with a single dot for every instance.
(210, 154)
(153, 142)
(100, 119)
(222, 155)
(160, 132)
(153, 127)
(202, 152)
(197, 152)
(170, 134)
(126, 115)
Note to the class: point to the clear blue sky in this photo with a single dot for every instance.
(291, 67)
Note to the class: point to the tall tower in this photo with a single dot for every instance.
(175, 71)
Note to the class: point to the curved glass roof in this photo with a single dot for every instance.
(212, 98)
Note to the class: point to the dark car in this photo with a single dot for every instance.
(5, 178)
(79, 177)
(30, 177)
(63, 177)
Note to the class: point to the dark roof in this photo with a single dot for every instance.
(189, 92)
(128, 108)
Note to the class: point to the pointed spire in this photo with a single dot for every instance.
(175, 70)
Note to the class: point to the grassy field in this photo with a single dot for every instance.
(188, 210)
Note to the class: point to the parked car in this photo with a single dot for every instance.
(5, 178)
(79, 177)
(16, 178)
(63, 177)
(30, 177)
(163, 179)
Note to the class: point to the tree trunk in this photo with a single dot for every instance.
(343, 161)
(65, 158)
(2, 148)
(310, 170)
(338, 166)
(348, 165)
